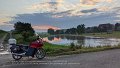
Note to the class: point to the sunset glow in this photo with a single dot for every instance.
(45, 27)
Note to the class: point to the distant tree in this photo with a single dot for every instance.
(51, 31)
(117, 27)
(81, 29)
(73, 31)
(106, 27)
(62, 31)
(68, 31)
(59, 32)
(96, 29)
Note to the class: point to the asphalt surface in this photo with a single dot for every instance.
(103, 59)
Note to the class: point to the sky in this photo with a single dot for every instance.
(58, 14)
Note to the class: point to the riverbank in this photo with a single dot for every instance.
(115, 34)
(56, 50)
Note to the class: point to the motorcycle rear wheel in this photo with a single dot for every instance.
(16, 57)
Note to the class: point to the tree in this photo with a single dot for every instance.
(51, 31)
(59, 31)
(68, 31)
(81, 29)
(117, 27)
(73, 30)
(96, 29)
(21, 27)
(25, 29)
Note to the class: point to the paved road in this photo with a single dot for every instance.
(103, 59)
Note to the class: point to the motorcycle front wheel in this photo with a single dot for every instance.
(40, 54)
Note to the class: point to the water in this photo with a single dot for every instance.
(4, 49)
(82, 40)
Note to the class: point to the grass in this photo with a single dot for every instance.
(2, 33)
(55, 50)
(43, 35)
(115, 34)
(6, 39)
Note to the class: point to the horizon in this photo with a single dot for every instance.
(45, 31)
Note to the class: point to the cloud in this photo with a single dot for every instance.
(60, 1)
(4, 21)
(88, 11)
(104, 8)
(45, 27)
(90, 2)
(109, 1)
(45, 20)
(94, 2)
(61, 6)
(57, 6)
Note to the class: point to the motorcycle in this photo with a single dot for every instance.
(19, 51)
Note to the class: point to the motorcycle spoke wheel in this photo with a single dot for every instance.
(16, 57)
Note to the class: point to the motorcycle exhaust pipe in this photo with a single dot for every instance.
(19, 54)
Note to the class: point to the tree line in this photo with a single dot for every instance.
(80, 29)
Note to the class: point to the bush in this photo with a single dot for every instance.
(19, 38)
(72, 46)
(78, 46)
(32, 38)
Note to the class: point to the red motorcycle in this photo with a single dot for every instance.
(35, 49)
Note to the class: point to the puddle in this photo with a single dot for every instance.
(4, 53)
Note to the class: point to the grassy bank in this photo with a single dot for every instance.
(55, 50)
(115, 34)
(88, 50)
(2, 33)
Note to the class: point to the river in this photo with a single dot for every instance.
(82, 40)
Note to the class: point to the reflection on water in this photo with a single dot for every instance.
(81, 40)
(4, 53)
(3, 49)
